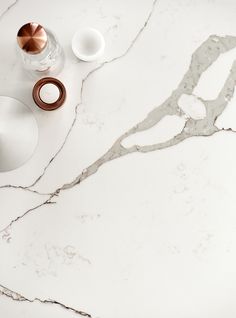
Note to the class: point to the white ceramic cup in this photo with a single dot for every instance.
(88, 44)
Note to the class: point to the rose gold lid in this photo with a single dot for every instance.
(32, 38)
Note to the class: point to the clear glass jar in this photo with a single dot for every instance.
(48, 61)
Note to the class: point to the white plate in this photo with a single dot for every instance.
(18, 133)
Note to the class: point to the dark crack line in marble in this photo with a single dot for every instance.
(18, 297)
(8, 9)
(23, 188)
(228, 130)
(84, 80)
(201, 60)
(131, 44)
(28, 188)
(48, 201)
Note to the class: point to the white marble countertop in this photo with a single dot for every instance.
(127, 208)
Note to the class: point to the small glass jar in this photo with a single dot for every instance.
(41, 54)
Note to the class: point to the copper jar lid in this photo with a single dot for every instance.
(42, 104)
(32, 38)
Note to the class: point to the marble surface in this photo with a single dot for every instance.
(127, 208)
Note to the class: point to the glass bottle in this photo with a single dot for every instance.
(40, 51)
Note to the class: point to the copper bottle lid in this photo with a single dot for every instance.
(42, 104)
(32, 38)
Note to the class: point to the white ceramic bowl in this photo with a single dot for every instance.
(88, 44)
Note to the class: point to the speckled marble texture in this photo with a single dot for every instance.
(127, 208)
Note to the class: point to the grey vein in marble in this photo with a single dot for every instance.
(8, 9)
(18, 297)
(201, 60)
(84, 80)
